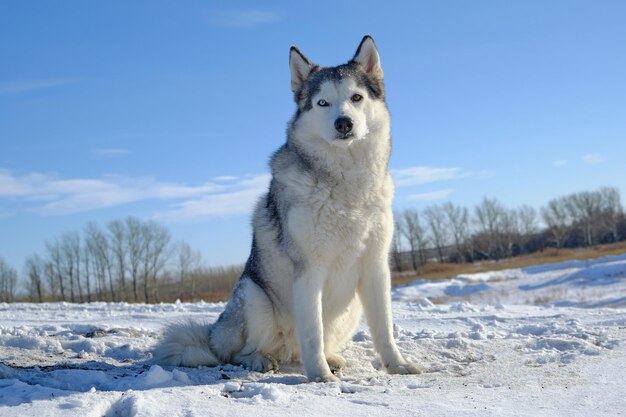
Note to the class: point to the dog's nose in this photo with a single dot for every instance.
(343, 125)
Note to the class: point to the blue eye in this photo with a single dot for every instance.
(322, 103)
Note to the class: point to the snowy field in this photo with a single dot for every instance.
(539, 341)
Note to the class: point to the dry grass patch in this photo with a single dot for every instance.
(551, 255)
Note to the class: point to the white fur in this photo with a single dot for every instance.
(333, 259)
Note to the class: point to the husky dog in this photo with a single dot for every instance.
(321, 236)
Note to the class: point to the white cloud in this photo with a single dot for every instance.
(222, 178)
(22, 86)
(234, 201)
(53, 195)
(240, 19)
(431, 196)
(49, 195)
(593, 158)
(559, 163)
(424, 174)
(110, 152)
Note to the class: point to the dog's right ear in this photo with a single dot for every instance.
(300, 68)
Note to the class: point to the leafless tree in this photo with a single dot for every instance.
(436, 221)
(396, 243)
(556, 217)
(527, 226)
(155, 241)
(492, 222)
(612, 212)
(100, 250)
(50, 278)
(8, 282)
(187, 263)
(71, 253)
(55, 261)
(136, 249)
(87, 271)
(415, 235)
(35, 267)
(584, 211)
(458, 222)
(118, 239)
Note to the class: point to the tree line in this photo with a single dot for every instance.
(129, 260)
(451, 233)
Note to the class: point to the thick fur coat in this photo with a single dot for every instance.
(321, 236)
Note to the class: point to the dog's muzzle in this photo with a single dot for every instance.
(343, 125)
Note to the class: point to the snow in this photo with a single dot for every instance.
(544, 340)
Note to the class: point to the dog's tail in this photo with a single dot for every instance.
(185, 344)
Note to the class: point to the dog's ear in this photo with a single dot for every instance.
(300, 68)
(367, 56)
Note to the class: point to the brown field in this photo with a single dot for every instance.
(548, 256)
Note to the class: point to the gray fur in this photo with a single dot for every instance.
(322, 189)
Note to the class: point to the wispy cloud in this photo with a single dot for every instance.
(593, 158)
(559, 163)
(239, 199)
(22, 86)
(110, 152)
(50, 195)
(424, 175)
(431, 196)
(242, 19)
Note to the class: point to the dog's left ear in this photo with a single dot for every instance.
(367, 56)
(300, 68)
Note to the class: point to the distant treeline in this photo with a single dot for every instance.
(135, 261)
(451, 233)
(130, 260)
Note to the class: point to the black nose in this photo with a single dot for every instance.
(343, 125)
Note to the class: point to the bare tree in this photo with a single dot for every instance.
(55, 260)
(527, 226)
(490, 217)
(119, 246)
(584, 210)
(611, 212)
(436, 220)
(100, 250)
(34, 267)
(556, 217)
(87, 270)
(188, 262)
(51, 279)
(396, 243)
(8, 282)
(155, 240)
(415, 235)
(71, 252)
(458, 222)
(136, 249)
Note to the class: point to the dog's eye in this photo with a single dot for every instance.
(357, 97)
(322, 103)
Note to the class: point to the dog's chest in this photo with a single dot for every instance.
(336, 221)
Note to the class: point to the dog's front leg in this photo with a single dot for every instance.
(307, 291)
(375, 293)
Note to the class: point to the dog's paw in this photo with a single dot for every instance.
(406, 369)
(259, 362)
(324, 378)
(335, 362)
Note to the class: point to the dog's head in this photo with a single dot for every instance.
(340, 104)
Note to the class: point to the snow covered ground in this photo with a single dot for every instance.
(539, 341)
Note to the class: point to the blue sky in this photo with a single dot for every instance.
(170, 110)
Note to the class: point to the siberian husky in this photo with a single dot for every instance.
(321, 236)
